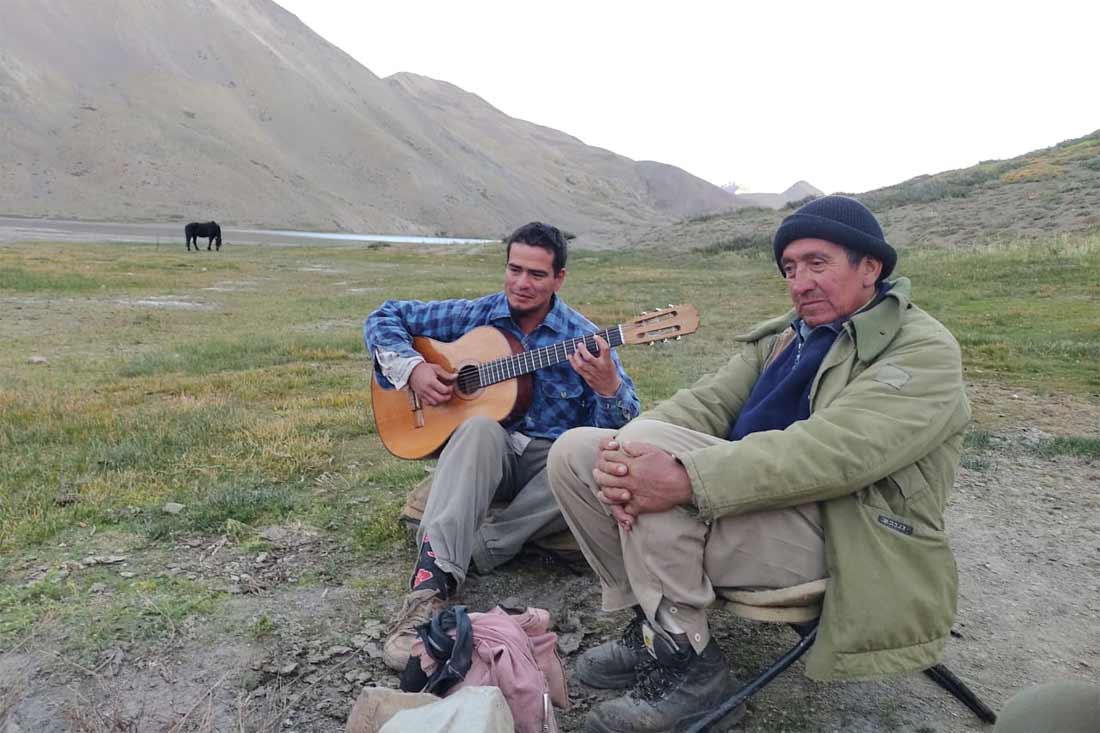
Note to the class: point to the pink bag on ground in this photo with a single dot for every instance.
(519, 655)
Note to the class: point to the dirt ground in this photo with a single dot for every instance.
(1024, 529)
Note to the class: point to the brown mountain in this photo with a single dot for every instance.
(1046, 192)
(153, 110)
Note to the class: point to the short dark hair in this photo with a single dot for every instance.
(537, 234)
(855, 256)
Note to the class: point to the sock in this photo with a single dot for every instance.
(429, 575)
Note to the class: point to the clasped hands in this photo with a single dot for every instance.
(638, 478)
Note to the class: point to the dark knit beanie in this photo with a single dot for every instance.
(840, 220)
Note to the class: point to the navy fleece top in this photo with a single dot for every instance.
(781, 395)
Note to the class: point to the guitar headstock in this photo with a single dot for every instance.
(661, 325)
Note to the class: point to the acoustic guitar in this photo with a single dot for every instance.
(494, 378)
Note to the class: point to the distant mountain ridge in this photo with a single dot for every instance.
(800, 191)
(1046, 192)
(154, 110)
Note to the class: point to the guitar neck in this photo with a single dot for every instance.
(510, 367)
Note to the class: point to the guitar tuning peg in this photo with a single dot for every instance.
(664, 341)
(678, 338)
(670, 305)
(645, 313)
(652, 343)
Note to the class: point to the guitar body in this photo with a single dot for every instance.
(412, 429)
(494, 378)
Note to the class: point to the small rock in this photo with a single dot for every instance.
(127, 574)
(373, 629)
(276, 535)
(261, 558)
(570, 642)
(172, 508)
(511, 603)
(37, 360)
(102, 560)
(97, 587)
(571, 622)
(288, 669)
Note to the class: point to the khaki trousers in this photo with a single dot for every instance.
(479, 468)
(673, 560)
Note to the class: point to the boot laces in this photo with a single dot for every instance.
(656, 680)
(417, 608)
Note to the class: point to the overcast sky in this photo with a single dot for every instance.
(849, 96)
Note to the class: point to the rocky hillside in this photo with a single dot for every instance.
(166, 110)
(1044, 192)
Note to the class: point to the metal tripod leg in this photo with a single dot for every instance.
(946, 679)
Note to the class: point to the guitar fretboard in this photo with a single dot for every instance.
(510, 367)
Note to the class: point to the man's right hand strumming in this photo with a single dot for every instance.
(432, 383)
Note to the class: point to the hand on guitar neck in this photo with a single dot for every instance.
(596, 369)
(432, 383)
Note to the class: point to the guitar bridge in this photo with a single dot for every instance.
(417, 409)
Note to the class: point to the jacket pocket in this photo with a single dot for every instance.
(894, 586)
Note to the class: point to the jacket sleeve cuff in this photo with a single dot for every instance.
(700, 499)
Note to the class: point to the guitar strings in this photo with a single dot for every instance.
(471, 379)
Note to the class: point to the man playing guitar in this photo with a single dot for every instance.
(485, 461)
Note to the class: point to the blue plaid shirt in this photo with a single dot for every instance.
(561, 399)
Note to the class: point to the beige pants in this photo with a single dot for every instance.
(673, 560)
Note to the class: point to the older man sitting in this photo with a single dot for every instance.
(825, 447)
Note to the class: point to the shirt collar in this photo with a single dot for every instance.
(555, 320)
(804, 331)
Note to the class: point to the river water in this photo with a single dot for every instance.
(15, 229)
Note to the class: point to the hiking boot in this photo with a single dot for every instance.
(418, 608)
(681, 689)
(613, 664)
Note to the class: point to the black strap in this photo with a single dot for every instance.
(453, 657)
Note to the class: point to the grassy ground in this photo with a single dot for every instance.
(235, 385)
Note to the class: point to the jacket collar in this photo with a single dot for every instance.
(875, 328)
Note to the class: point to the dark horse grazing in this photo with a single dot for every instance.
(210, 229)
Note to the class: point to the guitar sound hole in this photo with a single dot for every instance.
(468, 382)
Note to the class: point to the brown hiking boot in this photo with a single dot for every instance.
(681, 688)
(418, 607)
(614, 664)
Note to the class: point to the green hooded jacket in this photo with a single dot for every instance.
(879, 452)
